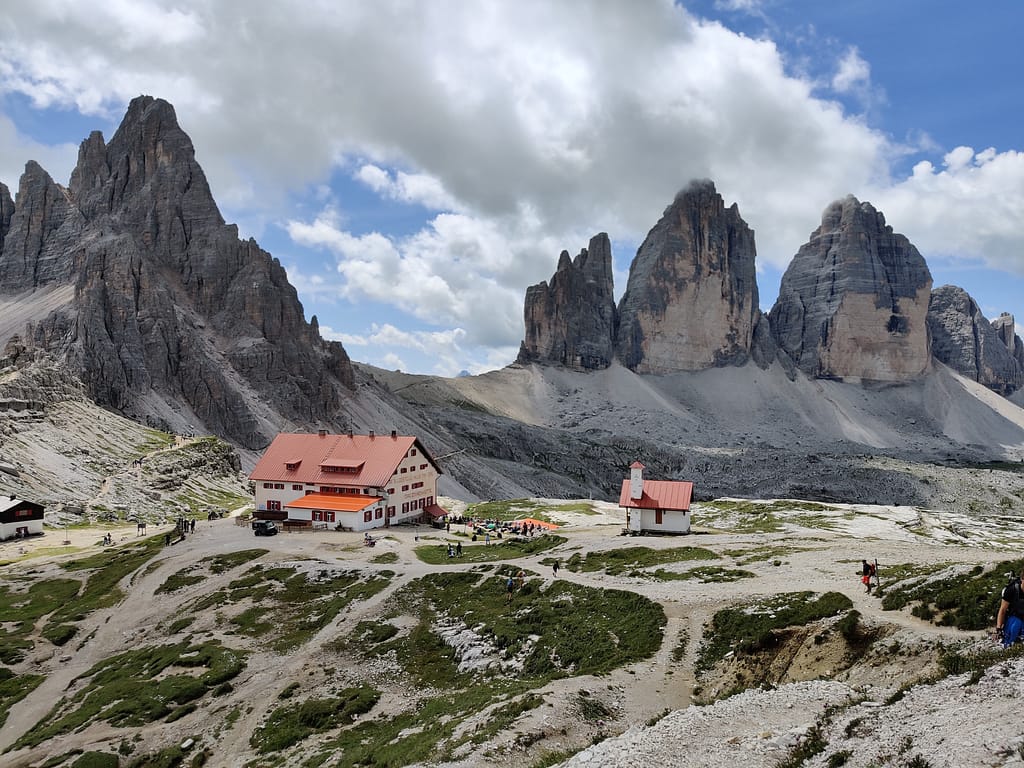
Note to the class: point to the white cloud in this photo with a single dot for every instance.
(972, 207)
(853, 72)
(418, 188)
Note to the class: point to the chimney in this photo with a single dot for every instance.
(350, 433)
(371, 434)
(636, 480)
(322, 432)
(394, 434)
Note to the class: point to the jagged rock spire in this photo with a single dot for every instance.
(571, 322)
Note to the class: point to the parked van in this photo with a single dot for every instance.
(264, 528)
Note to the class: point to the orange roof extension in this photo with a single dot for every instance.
(659, 494)
(363, 460)
(339, 502)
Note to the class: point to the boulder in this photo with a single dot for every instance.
(853, 303)
(691, 300)
(571, 320)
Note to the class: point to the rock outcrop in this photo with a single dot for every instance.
(968, 343)
(1006, 328)
(571, 321)
(41, 236)
(853, 303)
(170, 307)
(691, 300)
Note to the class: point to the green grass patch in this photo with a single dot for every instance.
(947, 595)
(96, 760)
(629, 559)
(292, 723)
(500, 549)
(750, 629)
(708, 574)
(22, 609)
(385, 558)
(747, 516)
(509, 510)
(286, 607)
(13, 688)
(138, 687)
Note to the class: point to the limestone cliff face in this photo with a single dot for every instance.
(169, 303)
(571, 321)
(691, 301)
(1006, 328)
(854, 301)
(968, 343)
(41, 235)
(6, 211)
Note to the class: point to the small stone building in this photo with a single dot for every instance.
(19, 518)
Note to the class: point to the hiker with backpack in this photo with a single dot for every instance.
(1010, 620)
(868, 571)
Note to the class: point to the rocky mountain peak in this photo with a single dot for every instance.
(853, 302)
(571, 321)
(968, 343)
(691, 301)
(170, 307)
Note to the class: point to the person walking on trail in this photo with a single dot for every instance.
(868, 571)
(554, 569)
(510, 587)
(1010, 620)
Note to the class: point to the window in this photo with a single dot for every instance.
(309, 491)
(405, 507)
(274, 506)
(23, 513)
(423, 466)
(329, 516)
(279, 486)
(391, 490)
(391, 511)
(378, 513)
(317, 515)
(412, 452)
(430, 501)
(404, 470)
(297, 486)
(367, 516)
(417, 485)
(405, 488)
(268, 485)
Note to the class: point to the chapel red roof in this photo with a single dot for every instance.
(358, 460)
(659, 494)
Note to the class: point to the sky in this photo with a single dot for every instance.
(416, 165)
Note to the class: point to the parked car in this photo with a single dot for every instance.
(264, 528)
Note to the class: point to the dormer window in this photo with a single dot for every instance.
(348, 466)
(292, 464)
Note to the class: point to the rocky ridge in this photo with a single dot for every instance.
(968, 343)
(172, 316)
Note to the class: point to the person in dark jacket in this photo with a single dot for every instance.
(1010, 620)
